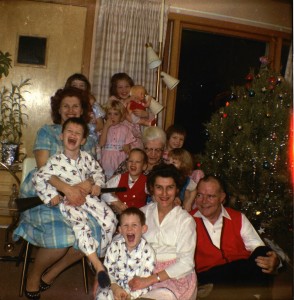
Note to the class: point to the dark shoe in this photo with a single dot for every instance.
(43, 285)
(103, 279)
(33, 295)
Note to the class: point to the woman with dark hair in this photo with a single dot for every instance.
(171, 233)
(44, 226)
(96, 112)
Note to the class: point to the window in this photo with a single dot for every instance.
(209, 57)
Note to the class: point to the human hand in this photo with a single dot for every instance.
(126, 149)
(118, 206)
(75, 195)
(268, 263)
(138, 283)
(86, 185)
(140, 113)
(148, 99)
(55, 200)
(177, 201)
(96, 190)
(119, 293)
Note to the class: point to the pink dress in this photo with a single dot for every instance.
(112, 154)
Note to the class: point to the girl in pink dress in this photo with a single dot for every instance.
(120, 86)
(115, 139)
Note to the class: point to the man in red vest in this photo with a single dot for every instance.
(229, 252)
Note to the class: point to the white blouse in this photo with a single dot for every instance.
(174, 238)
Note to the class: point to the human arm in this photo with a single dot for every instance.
(103, 136)
(189, 199)
(111, 198)
(252, 240)
(268, 263)
(177, 234)
(99, 124)
(126, 148)
(75, 194)
(96, 190)
(118, 292)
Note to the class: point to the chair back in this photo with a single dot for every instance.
(28, 164)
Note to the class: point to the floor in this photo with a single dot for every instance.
(69, 284)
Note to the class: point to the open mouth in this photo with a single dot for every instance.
(71, 141)
(131, 238)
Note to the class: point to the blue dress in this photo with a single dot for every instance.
(45, 226)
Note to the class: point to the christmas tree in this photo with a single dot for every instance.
(248, 146)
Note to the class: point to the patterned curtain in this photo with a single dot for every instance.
(122, 30)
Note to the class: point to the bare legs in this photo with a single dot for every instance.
(55, 260)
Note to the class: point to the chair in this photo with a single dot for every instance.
(29, 164)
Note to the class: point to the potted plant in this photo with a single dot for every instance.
(5, 63)
(12, 117)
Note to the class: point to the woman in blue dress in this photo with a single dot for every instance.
(44, 226)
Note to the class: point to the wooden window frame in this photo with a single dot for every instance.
(171, 55)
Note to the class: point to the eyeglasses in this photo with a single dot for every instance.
(156, 150)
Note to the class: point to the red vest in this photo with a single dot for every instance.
(231, 245)
(135, 196)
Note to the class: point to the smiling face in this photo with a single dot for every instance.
(123, 89)
(164, 192)
(136, 164)
(132, 230)
(209, 198)
(176, 141)
(154, 150)
(72, 137)
(70, 107)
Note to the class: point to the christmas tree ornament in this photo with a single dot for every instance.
(263, 89)
(279, 79)
(266, 165)
(233, 97)
(251, 93)
(248, 86)
(249, 77)
(272, 80)
(240, 127)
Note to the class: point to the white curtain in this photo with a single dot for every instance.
(122, 30)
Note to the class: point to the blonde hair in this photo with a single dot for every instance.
(185, 158)
(115, 105)
(137, 89)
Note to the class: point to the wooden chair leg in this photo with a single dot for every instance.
(24, 269)
(85, 275)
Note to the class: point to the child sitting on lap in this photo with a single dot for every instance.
(74, 166)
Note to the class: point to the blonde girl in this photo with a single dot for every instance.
(183, 161)
(116, 138)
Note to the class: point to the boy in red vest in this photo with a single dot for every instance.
(229, 252)
(134, 180)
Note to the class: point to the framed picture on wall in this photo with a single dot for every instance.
(31, 50)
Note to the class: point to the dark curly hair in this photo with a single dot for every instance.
(115, 78)
(78, 76)
(69, 92)
(165, 171)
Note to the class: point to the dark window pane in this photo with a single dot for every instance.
(209, 65)
(31, 50)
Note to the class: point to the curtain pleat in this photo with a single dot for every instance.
(123, 28)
